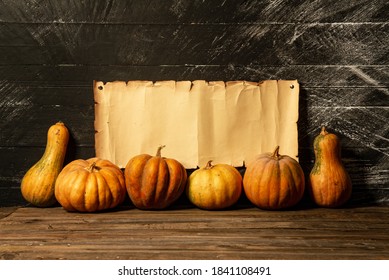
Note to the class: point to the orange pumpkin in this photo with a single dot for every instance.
(330, 183)
(154, 182)
(214, 186)
(38, 183)
(274, 181)
(90, 185)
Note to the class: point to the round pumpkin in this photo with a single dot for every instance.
(273, 181)
(90, 185)
(38, 183)
(154, 182)
(214, 187)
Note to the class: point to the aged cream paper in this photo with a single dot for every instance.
(197, 121)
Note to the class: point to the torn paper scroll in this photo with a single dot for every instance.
(227, 122)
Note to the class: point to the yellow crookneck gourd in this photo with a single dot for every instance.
(38, 183)
(330, 183)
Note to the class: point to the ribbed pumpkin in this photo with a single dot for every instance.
(38, 183)
(273, 181)
(154, 182)
(90, 185)
(330, 183)
(214, 187)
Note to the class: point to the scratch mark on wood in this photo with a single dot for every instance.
(370, 80)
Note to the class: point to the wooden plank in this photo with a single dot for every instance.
(35, 121)
(371, 76)
(15, 93)
(20, 159)
(347, 123)
(248, 233)
(343, 96)
(344, 121)
(194, 12)
(19, 93)
(260, 44)
(6, 211)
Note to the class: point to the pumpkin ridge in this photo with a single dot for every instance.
(251, 179)
(75, 189)
(284, 185)
(275, 181)
(163, 181)
(217, 181)
(298, 180)
(234, 176)
(104, 195)
(109, 175)
(176, 171)
(92, 195)
(134, 173)
(149, 179)
(263, 186)
(69, 190)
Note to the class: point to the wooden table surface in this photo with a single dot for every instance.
(191, 233)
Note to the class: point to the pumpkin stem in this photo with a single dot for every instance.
(92, 167)
(323, 130)
(159, 150)
(276, 153)
(209, 165)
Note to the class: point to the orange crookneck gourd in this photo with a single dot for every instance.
(330, 183)
(38, 183)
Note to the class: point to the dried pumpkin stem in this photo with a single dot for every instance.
(209, 165)
(92, 167)
(276, 153)
(323, 130)
(159, 150)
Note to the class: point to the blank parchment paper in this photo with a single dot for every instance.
(227, 122)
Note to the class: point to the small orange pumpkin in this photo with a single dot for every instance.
(90, 185)
(38, 183)
(154, 182)
(274, 181)
(330, 183)
(214, 186)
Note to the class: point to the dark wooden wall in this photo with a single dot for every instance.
(51, 51)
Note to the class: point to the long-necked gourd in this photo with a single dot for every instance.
(330, 183)
(38, 183)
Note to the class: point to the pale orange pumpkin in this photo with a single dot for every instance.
(273, 181)
(154, 182)
(90, 185)
(330, 182)
(38, 183)
(214, 187)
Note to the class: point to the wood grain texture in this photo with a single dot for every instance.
(238, 233)
(193, 12)
(337, 50)
(236, 44)
(369, 76)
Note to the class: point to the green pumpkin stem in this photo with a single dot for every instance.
(159, 150)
